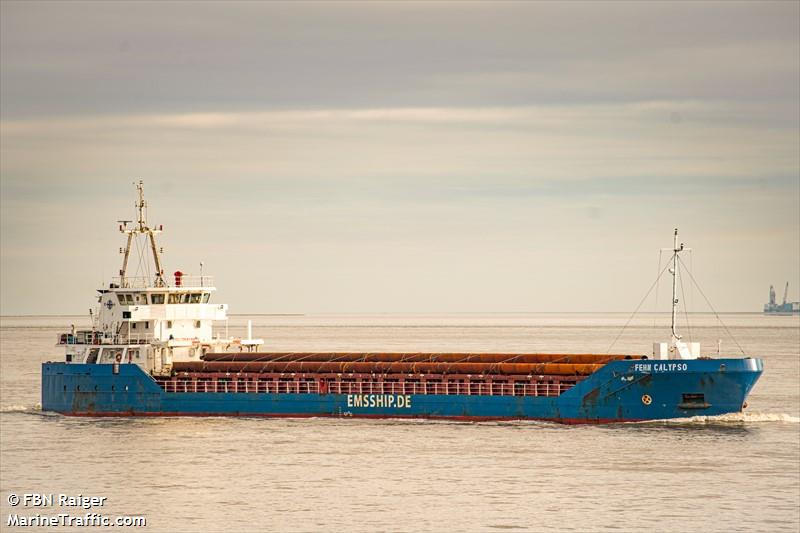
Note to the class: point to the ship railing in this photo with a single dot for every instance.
(80, 337)
(170, 282)
(67, 338)
(544, 388)
(96, 337)
(133, 338)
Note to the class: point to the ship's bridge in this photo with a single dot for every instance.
(153, 318)
(145, 309)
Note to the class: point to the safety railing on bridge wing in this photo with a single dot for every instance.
(80, 337)
(143, 282)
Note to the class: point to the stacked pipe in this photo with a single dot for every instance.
(401, 363)
(389, 357)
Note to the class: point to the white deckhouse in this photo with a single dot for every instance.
(149, 320)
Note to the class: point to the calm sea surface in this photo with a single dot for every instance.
(736, 473)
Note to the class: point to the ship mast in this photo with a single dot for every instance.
(141, 229)
(675, 338)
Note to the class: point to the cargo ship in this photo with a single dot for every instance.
(153, 350)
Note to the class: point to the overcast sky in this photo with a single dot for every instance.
(402, 157)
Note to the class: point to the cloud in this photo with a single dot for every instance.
(446, 156)
(464, 146)
(81, 58)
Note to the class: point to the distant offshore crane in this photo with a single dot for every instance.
(786, 307)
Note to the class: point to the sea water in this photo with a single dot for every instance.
(732, 473)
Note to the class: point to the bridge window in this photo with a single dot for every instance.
(195, 298)
(179, 298)
(157, 298)
(125, 299)
(197, 323)
(169, 323)
(206, 296)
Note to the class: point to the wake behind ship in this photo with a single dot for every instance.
(152, 350)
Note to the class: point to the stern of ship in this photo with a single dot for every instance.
(98, 389)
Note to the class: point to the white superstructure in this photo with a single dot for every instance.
(152, 320)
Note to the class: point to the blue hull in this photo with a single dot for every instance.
(621, 391)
